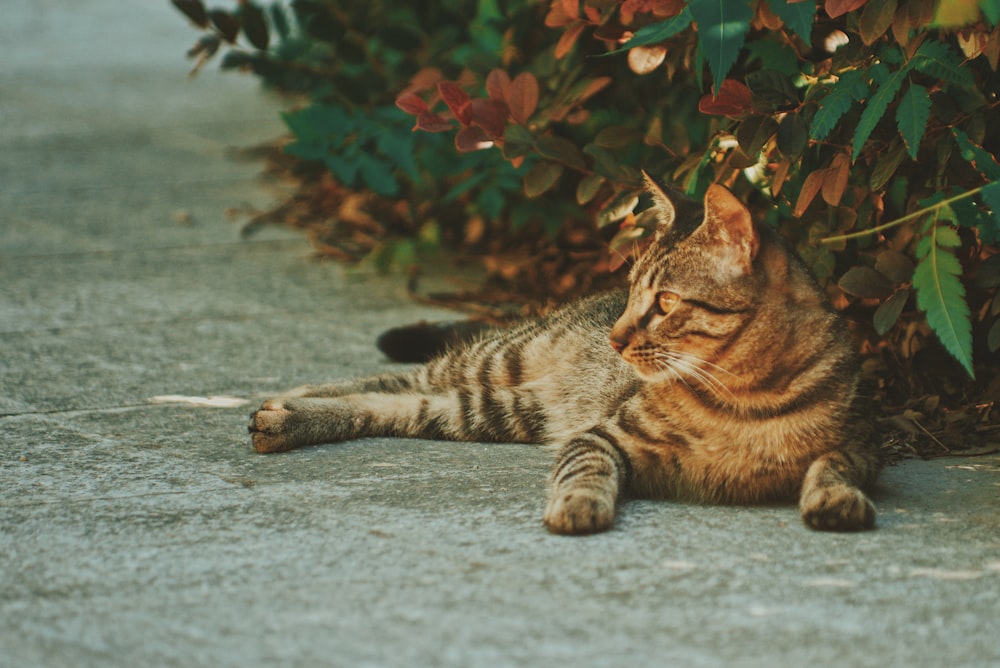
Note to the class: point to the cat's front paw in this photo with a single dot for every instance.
(270, 427)
(837, 508)
(579, 512)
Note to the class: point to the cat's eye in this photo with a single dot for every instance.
(666, 301)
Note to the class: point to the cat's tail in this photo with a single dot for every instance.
(424, 341)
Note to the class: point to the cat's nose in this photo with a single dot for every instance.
(618, 344)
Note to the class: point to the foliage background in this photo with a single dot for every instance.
(867, 133)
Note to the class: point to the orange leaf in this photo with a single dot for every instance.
(733, 100)
(497, 84)
(412, 104)
(568, 39)
(835, 181)
(523, 97)
(810, 187)
(837, 8)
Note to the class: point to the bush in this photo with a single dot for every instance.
(866, 132)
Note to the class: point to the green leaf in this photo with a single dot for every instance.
(888, 312)
(798, 16)
(658, 32)
(849, 88)
(941, 295)
(722, 29)
(774, 88)
(991, 10)
(976, 155)
(875, 110)
(377, 175)
(866, 283)
(939, 60)
(911, 117)
(989, 230)
(773, 55)
(541, 177)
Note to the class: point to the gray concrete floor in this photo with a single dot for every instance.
(143, 532)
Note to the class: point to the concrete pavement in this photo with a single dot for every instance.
(138, 529)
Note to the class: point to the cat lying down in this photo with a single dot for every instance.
(723, 375)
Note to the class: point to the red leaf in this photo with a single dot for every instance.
(523, 97)
(497, 84)
(837, 8)
(429, 122)
(457, 100)
(412, 104)
(472, 139)
(733, 100)
(489, 114)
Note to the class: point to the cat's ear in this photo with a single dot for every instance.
(730, 229)
(666, 214)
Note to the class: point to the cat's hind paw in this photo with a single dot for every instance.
(837, 508)
(579, 512)
(268, 427)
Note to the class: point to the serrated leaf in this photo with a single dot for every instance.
(798, 16)
(976, 155)
(939, 60)
(947, 237)
(875, 110)
(722, 29)
(849, 88)
(990, 194)
(659, 32)
(941, 295)
(888, 312)
(911, 117)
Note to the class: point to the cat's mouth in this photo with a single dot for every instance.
(663, 366)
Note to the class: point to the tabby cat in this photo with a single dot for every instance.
(722, 376)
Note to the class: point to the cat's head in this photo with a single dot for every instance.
(690, 293)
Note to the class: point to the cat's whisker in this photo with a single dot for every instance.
(685, 364)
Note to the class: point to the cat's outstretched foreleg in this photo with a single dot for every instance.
(832, 498)
(590, 472)
(292, 422)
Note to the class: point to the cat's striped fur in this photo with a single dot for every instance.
(728, 379)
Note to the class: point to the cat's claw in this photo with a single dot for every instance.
(837, 508)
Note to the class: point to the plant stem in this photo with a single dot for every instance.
(900, 220)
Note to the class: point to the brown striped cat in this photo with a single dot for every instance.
(722, 376)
